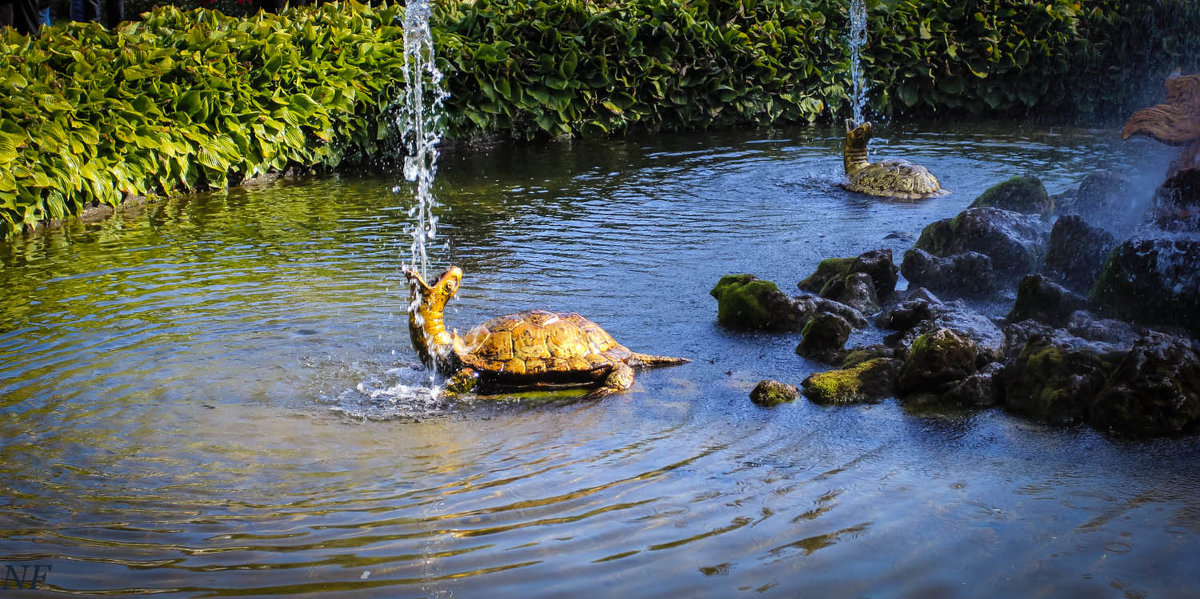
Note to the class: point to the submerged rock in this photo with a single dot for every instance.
(866, 382)
(773, 393)
(1152, 281)
(1040, 299)
(1018, 194)
(1012, 240)
(967, 274)
(1086, 325)
(1076, 252)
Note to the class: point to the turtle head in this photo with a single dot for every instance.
(860, 134)
(854, 151)
(426, 297)
(425, 325)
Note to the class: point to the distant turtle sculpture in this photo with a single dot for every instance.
(889, 178)
(525, 351)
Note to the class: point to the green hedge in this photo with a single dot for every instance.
(185, 101)
(1062, 58)
(196, 99)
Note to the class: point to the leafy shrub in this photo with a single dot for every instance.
(187, 100)
(578, 67)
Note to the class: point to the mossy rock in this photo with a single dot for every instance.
(867, 382)
(824, 336)
(833, 275)
(1053, 381)
(827, 270)
(1154, 391)
(772, 393)
(747, 302)
(1019, 194)
(858, 355)
(937, 360)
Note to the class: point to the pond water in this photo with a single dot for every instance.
(216, 395)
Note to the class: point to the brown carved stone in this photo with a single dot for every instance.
(1178, 121)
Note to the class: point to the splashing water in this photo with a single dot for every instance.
(418, 120)
(858, 39)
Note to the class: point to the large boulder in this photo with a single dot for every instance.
(1055, 377)
(966, 274)
(1018, 194)
(1015, 242)
(937, 361)
(866, 382)
(1076, 252)
(1101, 196)
(1154, 391)
(1152, 281)
(747, 302)
(1040, 299)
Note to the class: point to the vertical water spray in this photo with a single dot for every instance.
(858, 39)
(419, 120)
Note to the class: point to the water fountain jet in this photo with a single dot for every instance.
(419, 121)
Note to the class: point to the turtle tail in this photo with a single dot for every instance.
(649, 361)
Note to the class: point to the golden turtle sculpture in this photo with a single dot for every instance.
(531, 350)
(888, 178)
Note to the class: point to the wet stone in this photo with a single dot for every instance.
(771, 392)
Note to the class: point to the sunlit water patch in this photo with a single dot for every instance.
(216, 395)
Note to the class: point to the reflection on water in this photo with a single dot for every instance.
(216, 396)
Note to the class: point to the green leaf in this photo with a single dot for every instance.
(303, 105)
(8, 150)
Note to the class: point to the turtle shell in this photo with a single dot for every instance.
(547, 345)
(895, 178)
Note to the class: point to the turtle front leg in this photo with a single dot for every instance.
(619, 379)
(461, 383)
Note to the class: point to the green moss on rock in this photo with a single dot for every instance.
(747, 302)
(1019, 194)
(827, 270)
(1154, 391)
(773, 393)
(867, 382)
(1054, 383)
(937, 360)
